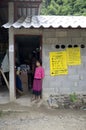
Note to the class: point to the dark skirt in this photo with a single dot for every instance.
(18, 83)
(37, 87)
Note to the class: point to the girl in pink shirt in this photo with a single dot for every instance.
(37, 83)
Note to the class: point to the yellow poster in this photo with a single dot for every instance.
(58, 63)
(73, 56)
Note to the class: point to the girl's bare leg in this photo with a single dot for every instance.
(33, 98)
(38, 99)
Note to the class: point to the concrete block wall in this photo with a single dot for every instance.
(75, 81)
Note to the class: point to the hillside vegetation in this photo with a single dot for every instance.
(63, 7)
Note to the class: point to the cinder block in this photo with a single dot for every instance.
(77, 40)
(49, 34)
(47, 72)
(82, 84)
(83, 33)
(49, 30)
(83, 58)
(66, 87)
(84, 40)
(60, 33)
(75, 88)
(74, 33)
(82, 77)
(64, 40)
(72, 71)
(51, 40)
(83, 52)
(43, 40)
(73, 77)
(81, 71)
(64, 90)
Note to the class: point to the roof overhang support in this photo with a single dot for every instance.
(11, 56)
(11, 66)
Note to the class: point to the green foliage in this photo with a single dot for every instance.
(64, 7)
(73, 97)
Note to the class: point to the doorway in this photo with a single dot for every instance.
(27, 51)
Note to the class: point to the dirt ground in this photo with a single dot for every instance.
(16, 117)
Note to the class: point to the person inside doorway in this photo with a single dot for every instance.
(37, 83)
(19, 87)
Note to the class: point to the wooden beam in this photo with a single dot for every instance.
(5, 79)
(28, 6)
(4, 3)
(27, 3)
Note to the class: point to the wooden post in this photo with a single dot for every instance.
(11, 55)
(11, 66)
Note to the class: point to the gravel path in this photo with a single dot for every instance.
(42, 119)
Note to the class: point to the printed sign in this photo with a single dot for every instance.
(73, 56)
(11, 48)
(58, 63)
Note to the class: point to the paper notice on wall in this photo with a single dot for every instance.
(73, 56)
(11, 48)
(58, 63)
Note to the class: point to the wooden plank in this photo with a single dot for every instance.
(5, 79)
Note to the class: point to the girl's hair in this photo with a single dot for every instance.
(40, 61)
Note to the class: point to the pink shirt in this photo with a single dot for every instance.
(39, 73)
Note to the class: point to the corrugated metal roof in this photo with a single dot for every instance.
(49, 21)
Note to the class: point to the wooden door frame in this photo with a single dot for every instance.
(28, 36)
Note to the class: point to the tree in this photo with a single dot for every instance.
(64, 7)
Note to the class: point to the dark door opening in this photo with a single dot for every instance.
(27, 51)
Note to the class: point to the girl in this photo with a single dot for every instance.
(37, 83)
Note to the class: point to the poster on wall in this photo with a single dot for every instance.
(58, 63)
(73, 56)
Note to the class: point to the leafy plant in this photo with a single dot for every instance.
(73, 97)
(63, 7)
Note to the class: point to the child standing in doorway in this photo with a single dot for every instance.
(37, 83)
